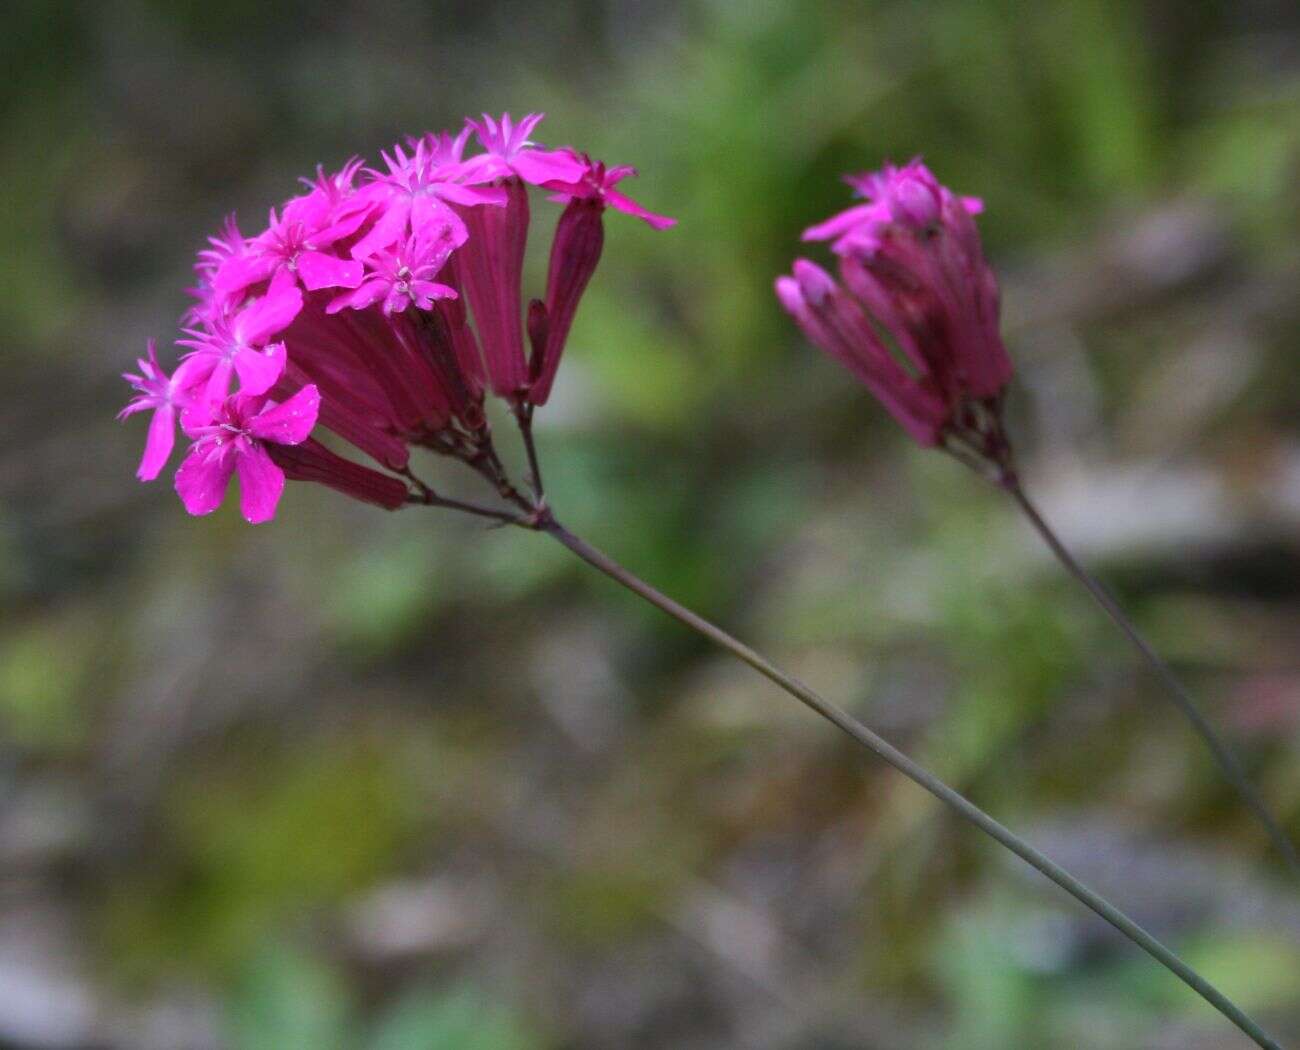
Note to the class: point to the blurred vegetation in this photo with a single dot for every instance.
(399, 783)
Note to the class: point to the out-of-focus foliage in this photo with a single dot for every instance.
(398, 782)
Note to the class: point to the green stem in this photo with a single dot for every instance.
(1223, 756)
(914, 772)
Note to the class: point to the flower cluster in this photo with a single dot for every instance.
(914, 315)
(381, 303)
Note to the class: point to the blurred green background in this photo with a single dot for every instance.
(398, 782)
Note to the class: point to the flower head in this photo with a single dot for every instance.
(352, 309)
(915, 313)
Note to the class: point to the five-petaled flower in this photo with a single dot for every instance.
(403, 275)
(240, 345)
(233, 441)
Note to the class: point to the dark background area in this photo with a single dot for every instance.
(396, 781)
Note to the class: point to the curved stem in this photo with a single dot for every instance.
(1223, 756)
(914, 772)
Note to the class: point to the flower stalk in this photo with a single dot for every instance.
(918, 774)
(536, 516)
(1227, 762)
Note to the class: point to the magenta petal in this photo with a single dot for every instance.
(202, 478)
(483, 168)
(525, 127)
(259, 369)
(388, 229)
(187, 379)
(138, 404)
(158, 445)
(271, 314)
(367, 295)
(842, 222)
(630, 207)
(238, 272)
(319, 270)
(432, 218)
(542, 166)
(195, 416)
(347, 221)
(218, 381)
(468, 196)
(618, 173)
(288, 423)
(260, 484)
(426, 290)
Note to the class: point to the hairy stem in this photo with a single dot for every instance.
(1223, 756)
(914, 772)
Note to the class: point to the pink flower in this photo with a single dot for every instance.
(509, 152)
(234, 442)
(415, 196)
(241, 345)
(914, 277)
(597, 183)
(402, 276)
(295, 243)
(165, 395)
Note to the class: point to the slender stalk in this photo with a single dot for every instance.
(524, 416)
(431, 499)
(425, 496)
(883, 749)
(1223, 756)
